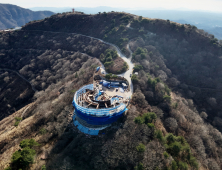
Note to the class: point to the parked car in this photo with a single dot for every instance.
(130, 75)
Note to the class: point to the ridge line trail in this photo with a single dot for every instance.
(33, 88)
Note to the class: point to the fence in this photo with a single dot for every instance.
(95, 112)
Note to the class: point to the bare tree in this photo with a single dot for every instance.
(6, 79)
(204, 115)
(212, 164)
(171, 124)
(212, 101)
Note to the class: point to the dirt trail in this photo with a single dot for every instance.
(33, 88)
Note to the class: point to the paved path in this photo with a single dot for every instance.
(127, 60)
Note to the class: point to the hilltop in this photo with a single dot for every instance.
(12, 16)
(188, 52)
(173, 121)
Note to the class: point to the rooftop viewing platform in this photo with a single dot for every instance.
(100, 104)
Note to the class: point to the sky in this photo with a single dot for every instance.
(207, 5)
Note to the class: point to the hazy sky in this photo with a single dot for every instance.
(210, 5)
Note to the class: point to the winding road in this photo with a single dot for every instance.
(127, 60)
(126, 75)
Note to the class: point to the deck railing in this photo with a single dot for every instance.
(95, 112)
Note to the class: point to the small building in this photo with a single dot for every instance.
(124, 86)
(115, 84)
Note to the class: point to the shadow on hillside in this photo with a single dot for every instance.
(76, 150)
(15, 93)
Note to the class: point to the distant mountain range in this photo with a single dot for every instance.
(12, 16)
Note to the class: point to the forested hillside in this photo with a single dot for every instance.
(12, 16)
(174, 119)
(192, 56)
(44, 58)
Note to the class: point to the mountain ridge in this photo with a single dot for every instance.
(168, 58)
(12, 16)
(205, 20)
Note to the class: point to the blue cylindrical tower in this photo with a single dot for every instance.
(91, 120)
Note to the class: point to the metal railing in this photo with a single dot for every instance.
(95, 112)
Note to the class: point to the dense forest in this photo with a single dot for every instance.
(50, 60)
(173, 121)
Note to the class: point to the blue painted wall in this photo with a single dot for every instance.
(97, 116)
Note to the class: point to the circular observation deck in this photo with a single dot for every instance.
(91, 116)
